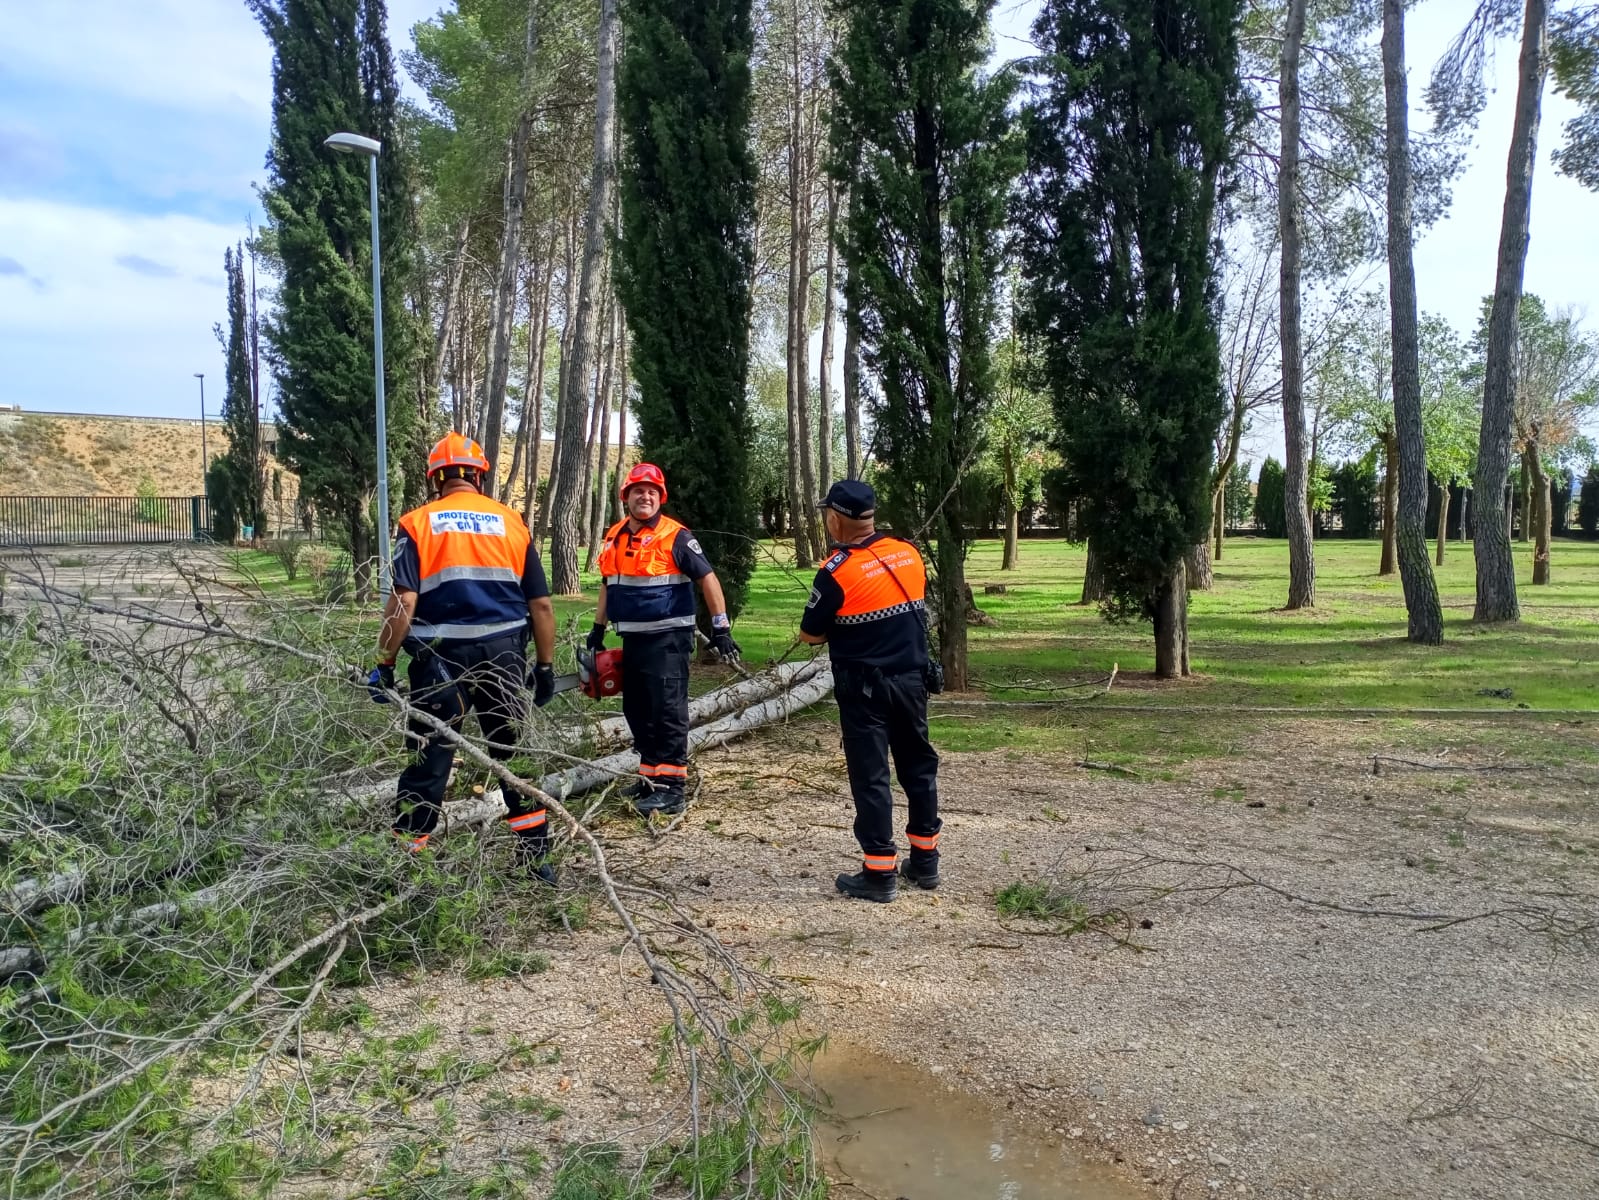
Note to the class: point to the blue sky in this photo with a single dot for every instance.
(132, 136)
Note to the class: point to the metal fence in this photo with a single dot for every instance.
(103, 520)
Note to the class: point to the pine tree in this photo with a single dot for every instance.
(332, 71)
(923, 143)
(241, 470)
(686, 258)
(1128, 140)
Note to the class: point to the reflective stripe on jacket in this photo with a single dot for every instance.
(645, 592)
(471, 552)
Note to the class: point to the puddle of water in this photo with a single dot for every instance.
(898, 1133)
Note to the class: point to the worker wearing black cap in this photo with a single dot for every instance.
(867, 604)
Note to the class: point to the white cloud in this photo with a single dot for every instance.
(96, 336)
(175, 53)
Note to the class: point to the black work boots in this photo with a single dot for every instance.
(532, 858)
(877, 886)
(665, 798)
(923, 872)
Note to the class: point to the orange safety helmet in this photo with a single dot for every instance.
(454, 450)
(644, 473)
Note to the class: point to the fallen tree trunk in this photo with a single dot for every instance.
(585, 778)
(735, 697)
(16, 960)
(28, 896)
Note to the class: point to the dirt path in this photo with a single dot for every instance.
(1250, 1045)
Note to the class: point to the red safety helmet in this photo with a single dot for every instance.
(644, 473)
(601, 675)
(454, 450)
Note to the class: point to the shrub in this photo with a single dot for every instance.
(1588, 503)
(318, 561)
(1271, 493)
(287, 551)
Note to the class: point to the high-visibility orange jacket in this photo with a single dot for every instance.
(649, 575)
(868, 601)
(471, 562)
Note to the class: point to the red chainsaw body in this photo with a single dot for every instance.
(602, 674)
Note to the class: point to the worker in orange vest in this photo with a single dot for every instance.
(868, 604)
(468, 584)
(649, 564)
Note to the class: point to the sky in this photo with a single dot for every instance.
(133, 137)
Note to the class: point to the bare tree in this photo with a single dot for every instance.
(1253, 372)
(502, 308)
(824, 388)
(852, 392)
(567, 498)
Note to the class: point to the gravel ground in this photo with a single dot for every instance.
(1243, 1043)
(1206, 1035)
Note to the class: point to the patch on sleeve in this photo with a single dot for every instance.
(694, 545)
(816, 598)
(835, 562)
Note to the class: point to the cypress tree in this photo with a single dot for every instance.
(685, 260)
(332, 71)
(923, 143)
(241, 470)
(1128, 141)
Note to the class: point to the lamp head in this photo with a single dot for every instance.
(354, 143)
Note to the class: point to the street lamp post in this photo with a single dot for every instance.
(354, 143)
(205, 464)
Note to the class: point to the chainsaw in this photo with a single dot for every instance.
(598, 676)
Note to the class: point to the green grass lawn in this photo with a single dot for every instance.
(1349, 652)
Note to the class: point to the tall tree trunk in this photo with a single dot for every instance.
(1496, 568)
(452, 307)
(951, 556)
(1524, 498)
(602, 462)
(568, 334)
(461, 369)
(538, 340)
(1171, 627)
(513, 477)
(1093, 576)
(568, 495)
(502, 309)
(802, 473)
(1012, 513)
(594, 413)
(1301, 552)
(1223, 472)
(852, 393)
(614, 501)
(1218, 520)
(1542, 512)
(1426, 618)
(1443, 522)
(1197, 569)
(824, 384)
(1390, 501)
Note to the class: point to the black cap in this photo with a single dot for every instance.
(852, 498)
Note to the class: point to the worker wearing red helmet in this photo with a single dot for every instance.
(468, 584)
(649, 564)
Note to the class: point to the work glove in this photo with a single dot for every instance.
(595, 642)
(542, 681)
(380, 678)
(722, 641)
